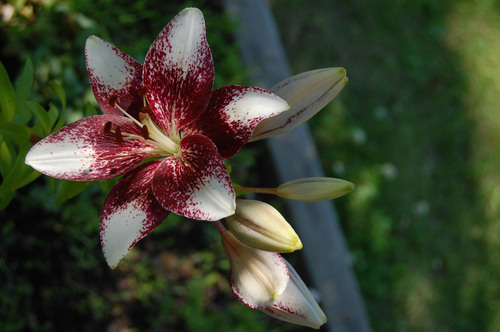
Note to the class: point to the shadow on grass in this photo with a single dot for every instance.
(407, 130)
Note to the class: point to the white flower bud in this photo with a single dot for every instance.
(261, 226)
(296, 304)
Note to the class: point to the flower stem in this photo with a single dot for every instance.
(246, 190)
(220, 226)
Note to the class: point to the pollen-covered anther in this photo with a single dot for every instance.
(143, 90)
(112, 99)
(146, 109)
(107, 127)
(118, 135)
(145, 132)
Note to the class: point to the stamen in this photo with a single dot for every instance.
(107, 127)
(146, 109)
(112, 99)
(145, 132)
(118, 135)
(143, 90)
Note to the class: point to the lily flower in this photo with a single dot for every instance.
(163, 113)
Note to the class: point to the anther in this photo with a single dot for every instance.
(146, 109)
(107, 127)
(112, 99)
(145, 132)
(118, 135)
(142, 90)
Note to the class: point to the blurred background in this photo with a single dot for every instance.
(416, 129)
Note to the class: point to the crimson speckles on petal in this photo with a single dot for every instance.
(232, 115)
(113, 73)
(195, 182)
(179, 71)
(83, 151)
(130, 212)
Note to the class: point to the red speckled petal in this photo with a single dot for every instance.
(296, 304)
(195, 182)
(257, 277)
(84, 151)
(113, 72)
(179, 71)
(233, 113)
(130, 213)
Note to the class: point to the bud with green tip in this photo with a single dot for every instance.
(314, 189)
(261, 226)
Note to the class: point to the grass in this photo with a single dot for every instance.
(417, 130)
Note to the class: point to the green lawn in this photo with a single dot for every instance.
(417, 129)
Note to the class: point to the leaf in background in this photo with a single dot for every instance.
(19, 174)
(7, 96)
(41, 115)
(70, 189)
(58, 89)
(53, 114)
(62, 97)
(23, 85)
(7, 155)
(18, 133)
(90, 109)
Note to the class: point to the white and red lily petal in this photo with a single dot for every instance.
(307, 93)
(257, 277)
(113, 72)
(179, 71)
(232, 115)
(130, 213)
(90, 149)
(296, 304)
(194, 183)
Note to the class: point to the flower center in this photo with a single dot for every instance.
(150, 130)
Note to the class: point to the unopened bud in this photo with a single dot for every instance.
(314, 189)
(259, 225)
(296, 304)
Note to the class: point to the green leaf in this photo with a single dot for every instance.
(53, 114)
(90, 109)
(23, 114)
(27, 175)
(16, 173)
(23, 85)
(58, 89)
(62, 97)
(41, 115)
(18, 133)
(7, 155)
(70, 189)
(7, 96)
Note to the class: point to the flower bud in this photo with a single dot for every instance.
(261, 226)
(296, 304)
(307, 93)
(257, 277)
(314, 189)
